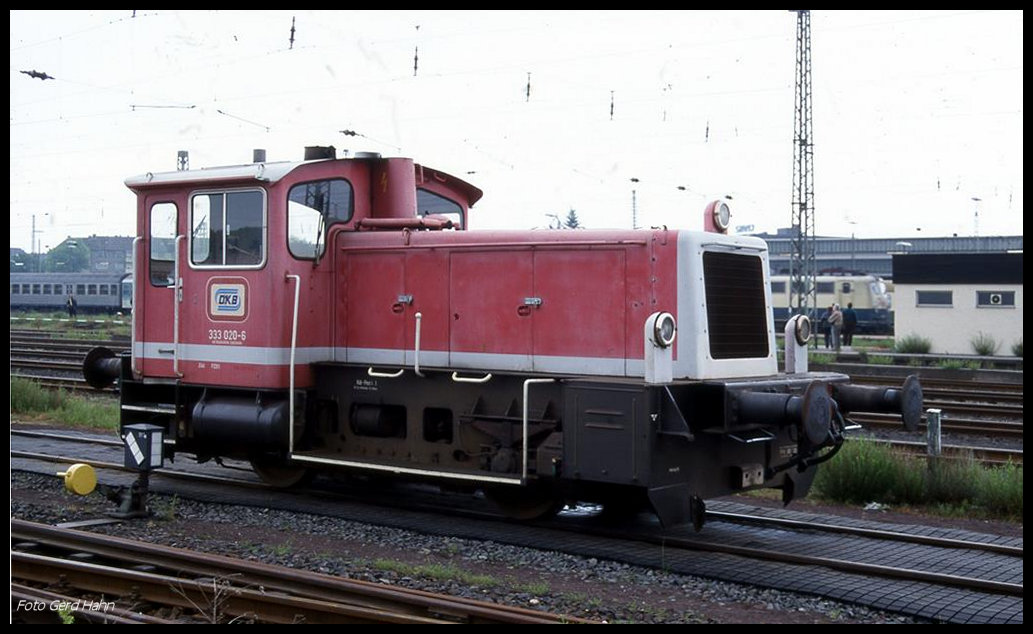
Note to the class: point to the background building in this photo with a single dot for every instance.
(875, 255)
(950, 299)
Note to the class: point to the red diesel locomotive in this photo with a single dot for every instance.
(336, 314)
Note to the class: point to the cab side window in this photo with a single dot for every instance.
(311, 209)
(162, 244)
(429, 203)
(228, 229)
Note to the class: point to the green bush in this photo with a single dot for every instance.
(985, 345)
(1016, 348)
(913, 344)
(953, 481)
(866, 471)
(1001, 490)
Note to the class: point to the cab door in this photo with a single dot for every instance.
(155, 288)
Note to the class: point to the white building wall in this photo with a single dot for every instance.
(952, 328)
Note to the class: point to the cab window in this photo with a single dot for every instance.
(429, 203)
(227, 229)
(311, 209)
(162, 244)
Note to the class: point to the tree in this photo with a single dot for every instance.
(572, 222)
(67, 257)
(22, 262)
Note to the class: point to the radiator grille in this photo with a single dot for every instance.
(736, 312)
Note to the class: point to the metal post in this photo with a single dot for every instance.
(634, 206)
(933, 446)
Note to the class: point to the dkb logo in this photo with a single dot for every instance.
(227, 300)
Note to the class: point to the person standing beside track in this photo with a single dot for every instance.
(835, 325)
(72, 306)
(849, 324)
(826, 327)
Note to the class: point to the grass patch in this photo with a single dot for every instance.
(872, 343)
(85, 326)
(866, 471)
(30, 399)
(957, 364)
(533, 587)
(438, 572)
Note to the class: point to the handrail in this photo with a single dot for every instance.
(385, 375)
(416, 364)
(463, 379)
(294, 346)
(523, 453)
(136, 310)
(177, 297)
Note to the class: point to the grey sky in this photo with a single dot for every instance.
(915, 113)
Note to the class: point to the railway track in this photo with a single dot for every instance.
(231, 589)
(927, 565)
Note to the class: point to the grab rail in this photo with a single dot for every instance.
(523, 453)
(385, 375)
(177, 298)
(416, 363)
(463, 379)
(294, 346)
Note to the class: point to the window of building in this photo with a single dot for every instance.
(163, 244)
(995, 299)
(778, 287)
(934, 298)
(311, 209)
(228, 229)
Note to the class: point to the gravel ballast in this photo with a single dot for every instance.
(538, 579)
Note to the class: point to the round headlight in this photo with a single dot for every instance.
(664, 330)
(722, 215)
(803, 330)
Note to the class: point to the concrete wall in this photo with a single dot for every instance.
(952, 328)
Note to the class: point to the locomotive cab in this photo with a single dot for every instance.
(336, 314)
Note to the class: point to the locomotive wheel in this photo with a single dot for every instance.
(526, 503)
(279, 475)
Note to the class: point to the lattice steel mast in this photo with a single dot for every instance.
(803, 264)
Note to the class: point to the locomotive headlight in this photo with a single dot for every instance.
(803, 330)
(722, 215)
(664, 330)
